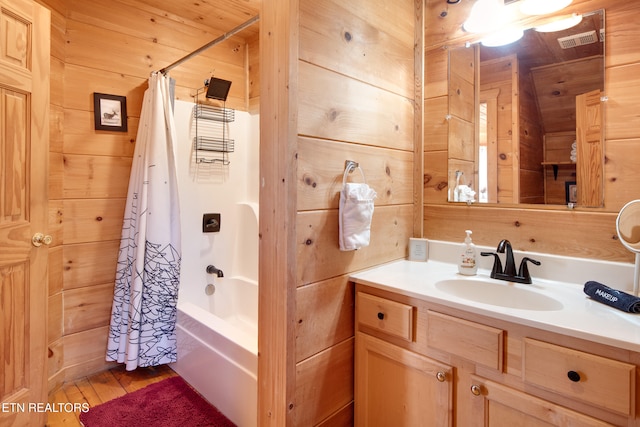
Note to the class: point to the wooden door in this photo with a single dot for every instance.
(396, 387)
(590, 161)
(24, 147)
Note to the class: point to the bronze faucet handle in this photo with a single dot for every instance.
(523, 271)
(497, 264)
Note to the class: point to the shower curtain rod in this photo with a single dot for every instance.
(212, 43)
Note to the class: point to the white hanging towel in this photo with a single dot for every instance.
(356, 211)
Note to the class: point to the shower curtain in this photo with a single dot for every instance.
(143, 314)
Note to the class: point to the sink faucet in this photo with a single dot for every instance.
(510, 263)
(509, 273)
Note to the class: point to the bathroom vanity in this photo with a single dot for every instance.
(432, 351)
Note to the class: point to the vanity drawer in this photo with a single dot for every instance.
(480, 343)
(391, 317)
(597, 380)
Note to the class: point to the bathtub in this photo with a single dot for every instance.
(218, 347)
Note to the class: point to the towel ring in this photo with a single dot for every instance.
(350, 166)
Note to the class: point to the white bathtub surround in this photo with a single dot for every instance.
(232, 191)
(235, 301)
(559, 278)
(218, 348)
(143, 316)
(217, 334)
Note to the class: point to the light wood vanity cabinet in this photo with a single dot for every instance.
(494, 404)
(395, 386)
(596, 380)
(385, 316)
(398, 387)
(422, 364)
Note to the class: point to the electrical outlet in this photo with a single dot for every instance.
(418, 249)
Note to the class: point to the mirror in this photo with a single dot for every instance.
(628, 228)
(525, 119)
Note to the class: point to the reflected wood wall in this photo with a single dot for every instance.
(583, 232)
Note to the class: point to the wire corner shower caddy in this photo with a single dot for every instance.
(211, 142)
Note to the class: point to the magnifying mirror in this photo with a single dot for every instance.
(628, 228)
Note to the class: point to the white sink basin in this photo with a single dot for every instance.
(503, 294)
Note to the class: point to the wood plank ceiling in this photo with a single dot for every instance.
(217, 15)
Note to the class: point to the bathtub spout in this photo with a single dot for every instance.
(212, 270)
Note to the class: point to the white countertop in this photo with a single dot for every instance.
(579, 317)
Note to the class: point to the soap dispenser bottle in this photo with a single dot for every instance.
(467, 264)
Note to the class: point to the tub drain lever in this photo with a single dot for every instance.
(213, 270)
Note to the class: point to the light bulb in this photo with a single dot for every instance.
(503, 37)
(561, 24)
(485, 15)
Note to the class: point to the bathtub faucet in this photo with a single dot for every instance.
(213, 270)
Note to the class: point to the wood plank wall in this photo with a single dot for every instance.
(557, 145)
(531, 134)
(583, 232)
(346, 82)
(501, 74)
(462, 117)
(110, 48)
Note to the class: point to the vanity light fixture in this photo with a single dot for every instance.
(562, 24)
(542, 7)
(486, 15)
(503, 37)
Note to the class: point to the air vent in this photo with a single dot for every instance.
(578, 39)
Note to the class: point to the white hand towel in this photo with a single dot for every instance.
(355, 213)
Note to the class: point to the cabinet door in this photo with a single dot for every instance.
(396, 387)
(495, 405)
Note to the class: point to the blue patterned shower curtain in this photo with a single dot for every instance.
(143, 315)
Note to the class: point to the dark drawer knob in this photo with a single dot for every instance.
(573, 376)
(380, 315)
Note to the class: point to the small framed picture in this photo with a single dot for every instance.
(571, 191)
(110, 112)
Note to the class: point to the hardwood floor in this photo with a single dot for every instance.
(100, 388)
